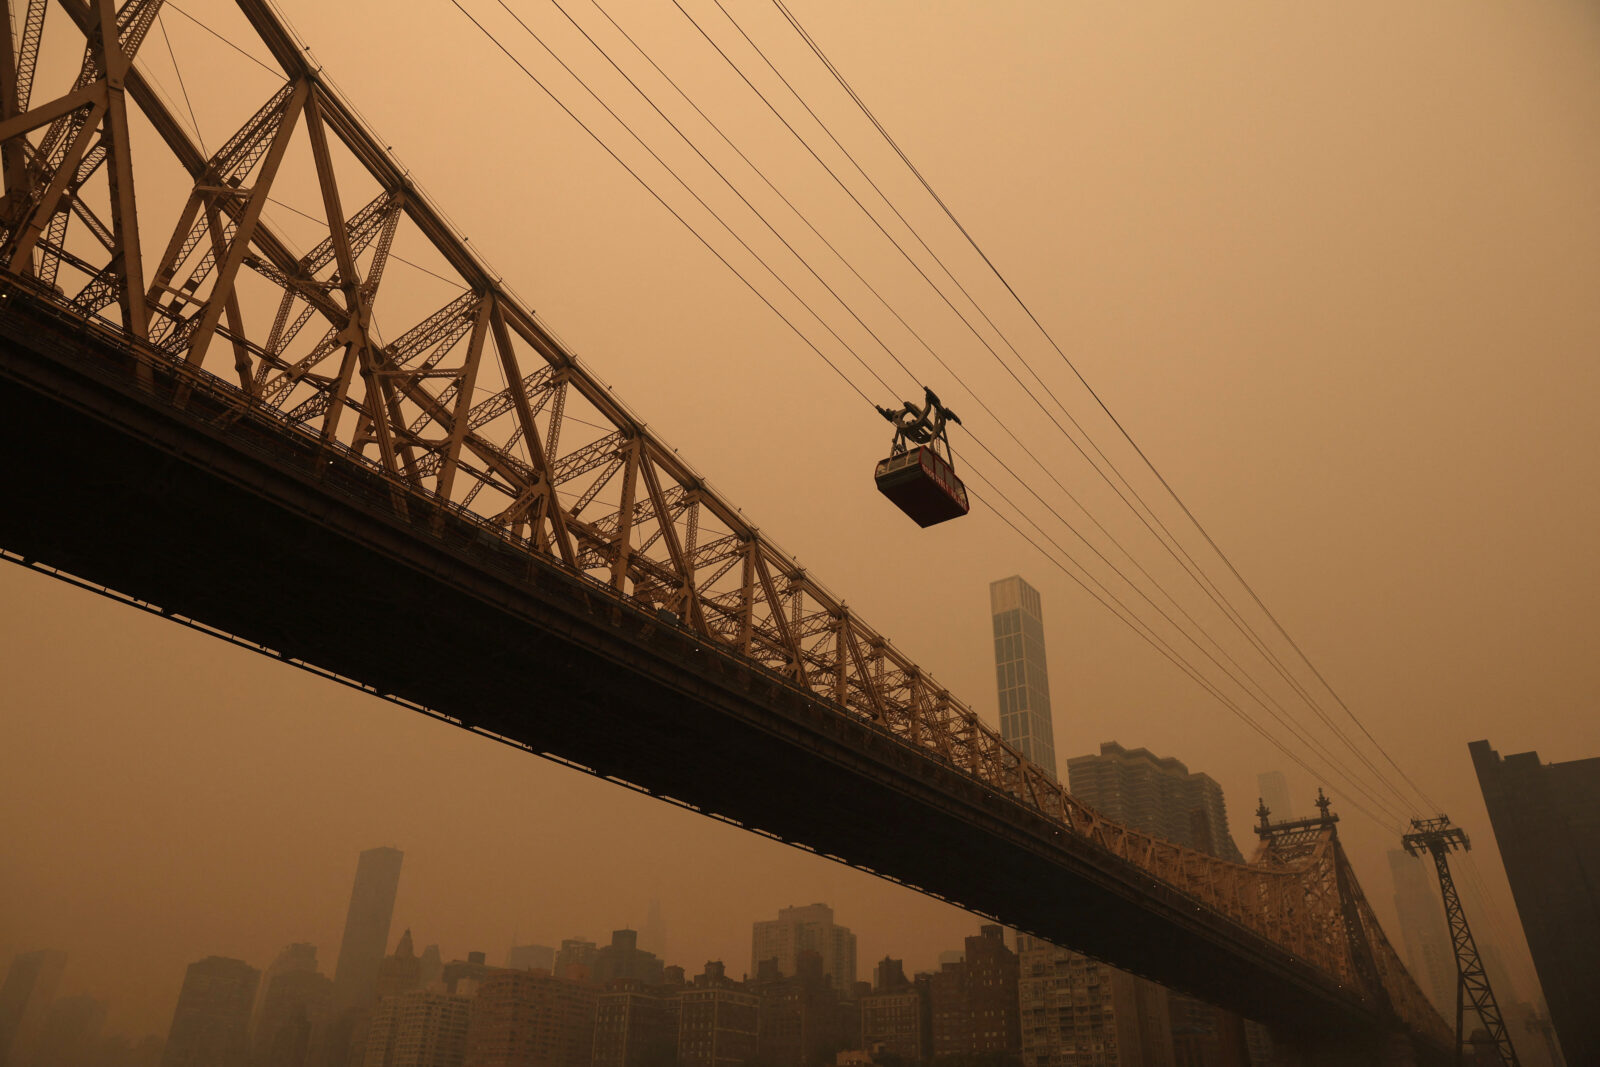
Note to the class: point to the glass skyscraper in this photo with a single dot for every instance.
(1020, 671)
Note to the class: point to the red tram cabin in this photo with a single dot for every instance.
(920, 480)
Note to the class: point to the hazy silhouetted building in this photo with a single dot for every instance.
(1546, 819)
(1423, 930)
(296, 1004)
(419, 1028)
(653, 937)
(575, 959)
(1161, 797)
(1078, 1012)
(465, 976)
(1019, 664)
(401, 972)
(70, 1036)
(800, 1018)
(432, 965)
(25, 998)
(718, 1021)
(896, 1017)
(528, 1019)
(636, 1025)
(1157, 795)
(531, 958)
(623, 958)
(806, 929)
(296, 957)
(974, 1003)
(211, 1025)
(1274, 793)
(366, 927)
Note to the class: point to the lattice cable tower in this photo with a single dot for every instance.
(1438, 838)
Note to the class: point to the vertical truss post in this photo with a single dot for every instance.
(1438, 838)
(129, 260)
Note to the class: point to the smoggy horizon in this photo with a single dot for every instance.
(1332, 270)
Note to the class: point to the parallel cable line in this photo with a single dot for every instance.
(1260, 692)
(1200, 577)
(1305, 740)
(1378, 776)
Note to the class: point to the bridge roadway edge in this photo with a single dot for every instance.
(122, 489)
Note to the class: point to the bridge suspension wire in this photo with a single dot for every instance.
(1196, 572)
(1164, 648)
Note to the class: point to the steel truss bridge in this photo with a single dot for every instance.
(465, 521)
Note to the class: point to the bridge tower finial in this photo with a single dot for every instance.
(1263, 813)
(1323, 803)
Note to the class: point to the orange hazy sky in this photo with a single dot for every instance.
(1333, 267)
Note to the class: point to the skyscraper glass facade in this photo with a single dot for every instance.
(1020, 672)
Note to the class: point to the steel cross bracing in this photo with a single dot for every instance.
(1438, 838)
(477, 406)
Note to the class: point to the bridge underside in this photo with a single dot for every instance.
(265, 536)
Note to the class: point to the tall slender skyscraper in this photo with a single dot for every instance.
(366, 927)
(1429, 954)
(1020, 672)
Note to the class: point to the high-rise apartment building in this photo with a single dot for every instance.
(419, 1028)
(25, 999)
(528, 1019)
(1078, 1012)
(366, 927)
(636, 1025)
(70, 1036)
(1157, 795)
(1546, 819)
(211, 1025)
(806, 929)
(800, 1015)
(1160, 796)
(1426, 936)
(719, 1021)
(1274, 793)
(973, 1004)
(1020, 673)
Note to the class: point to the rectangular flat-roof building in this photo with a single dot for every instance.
(1020, 673)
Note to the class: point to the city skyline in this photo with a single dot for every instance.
(1426, 566)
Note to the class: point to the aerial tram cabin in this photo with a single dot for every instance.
(920, 480)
